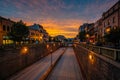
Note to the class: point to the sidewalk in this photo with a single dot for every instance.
(38, 69)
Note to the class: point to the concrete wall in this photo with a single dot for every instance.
(94, 67)
(12, 60)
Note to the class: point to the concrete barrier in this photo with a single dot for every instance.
(113, 54)
(46, 74)
(96, 66)
(12, 61)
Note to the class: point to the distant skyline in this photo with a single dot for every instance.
(58, 17)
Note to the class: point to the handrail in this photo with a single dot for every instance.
(108, 52)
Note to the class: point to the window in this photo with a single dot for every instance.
(108, 22)
(113, 20)
(4, 28)
(8, 28)
(104, 24)
(32, 33)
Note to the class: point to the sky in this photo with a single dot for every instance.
(58, 17)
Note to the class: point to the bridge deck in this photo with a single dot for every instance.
(67, 68)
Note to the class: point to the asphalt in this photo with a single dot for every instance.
(67, 68)
(36, 71)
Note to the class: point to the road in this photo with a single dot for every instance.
(35, 71)
(67, 68)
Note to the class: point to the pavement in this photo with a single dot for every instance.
(67, 68)
(38, 69)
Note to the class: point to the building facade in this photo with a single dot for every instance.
(98, 28)
(111, 18)
(37, 33)
(5, 28)
(88, 28)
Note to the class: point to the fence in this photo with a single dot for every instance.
(108, 52)
(98, 68)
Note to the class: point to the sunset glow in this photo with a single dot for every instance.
(58, 17)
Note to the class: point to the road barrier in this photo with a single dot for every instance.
(98, 64)
(13, 59)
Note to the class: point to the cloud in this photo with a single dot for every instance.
(64, 27)
(57, 16)
(95, 10)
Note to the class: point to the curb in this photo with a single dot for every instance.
(46, 74)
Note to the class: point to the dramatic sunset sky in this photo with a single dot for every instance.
(57, 16)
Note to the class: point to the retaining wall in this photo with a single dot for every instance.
(13, 60)
(96, 68)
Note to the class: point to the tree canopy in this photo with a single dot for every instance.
(82, 36)
(113, 36)
(19, 31)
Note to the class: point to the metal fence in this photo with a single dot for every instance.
(108, 52)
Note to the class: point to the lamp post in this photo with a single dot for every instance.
(51, 57)
(87, 36)
(24, 52)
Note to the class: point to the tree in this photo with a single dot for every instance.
(19, 32)
(82, 35)
(113, 36)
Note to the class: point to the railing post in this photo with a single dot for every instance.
(99, 50)
(115, 55)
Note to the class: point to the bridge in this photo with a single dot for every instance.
(77, 62)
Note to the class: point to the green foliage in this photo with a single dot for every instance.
(113, 36)
(82, 35)
(19, 31)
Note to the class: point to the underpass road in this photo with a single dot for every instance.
(35, 71)
(67, 68)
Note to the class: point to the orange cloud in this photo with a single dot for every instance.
(68, 28)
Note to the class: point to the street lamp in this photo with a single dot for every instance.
(87, 36)
(108, 30)
(47, 46)
(51, 57)
(91, 58)
(24, 50)
(54, 44)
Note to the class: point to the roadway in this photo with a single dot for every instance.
(35, 71)
(67, 68)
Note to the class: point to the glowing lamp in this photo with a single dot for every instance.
(24, 50)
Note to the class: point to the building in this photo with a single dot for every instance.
(60, 38)
(45, 35)
(88, 28)
(37, 33)
(91, 33)
(111, 18)
(5, 28)
(83, 27)
(98, 30)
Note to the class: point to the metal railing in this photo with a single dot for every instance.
(108, 52)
